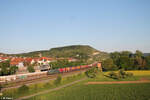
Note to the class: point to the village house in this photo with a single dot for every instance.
(4, 59)
(72, 60)
(45, 60)
(29, 61)
(19, 62)
(39, 64)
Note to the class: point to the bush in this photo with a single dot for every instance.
(128, 74)
(31, 69)
(124, 74)
(120, 74)
(91, 73)
(23, 89)
(58, 80)
(113, 75)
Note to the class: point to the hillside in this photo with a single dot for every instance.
(75, 51)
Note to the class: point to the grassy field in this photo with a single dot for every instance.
(99, 92)
(38, 87)
(137, 75)
(81, 91)
(141, 73)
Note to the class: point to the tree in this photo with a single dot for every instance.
(115, 56)
(138, 53)
(91, 73)
(5, 68)
(64, 63)
(140, 62)
(13, 69)
(129, 61)
(147, 59)
(125, 54)
(131, 65)
(108, 64)
(31, 69)
(126, 63)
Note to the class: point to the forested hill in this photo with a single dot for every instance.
(74, 51)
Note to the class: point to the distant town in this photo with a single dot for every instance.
(38, 63)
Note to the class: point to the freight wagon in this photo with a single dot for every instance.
(35, 75)
(69, 69)
(19, 77)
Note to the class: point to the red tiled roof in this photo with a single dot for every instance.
(28, 60)
(46, 58)
(4, 58)
(16, 61)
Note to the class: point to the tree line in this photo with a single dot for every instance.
(127, 60)
(65, 63)
(7, 69)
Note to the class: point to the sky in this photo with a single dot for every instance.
(107, 25)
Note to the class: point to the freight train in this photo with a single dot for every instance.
(20, 77)
(36, 75)
(69, 69)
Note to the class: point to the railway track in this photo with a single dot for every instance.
(39, 80)
(16, 83)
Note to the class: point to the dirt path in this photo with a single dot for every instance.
(120, 82)
(47, 91)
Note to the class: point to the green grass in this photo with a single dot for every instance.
(38, 87)
(81, 91)
(99, 92)
(137, 72)
(102, 77)
(91, 92)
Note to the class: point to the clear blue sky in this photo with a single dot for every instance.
(107, 25)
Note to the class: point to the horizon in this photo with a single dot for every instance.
(34, 25)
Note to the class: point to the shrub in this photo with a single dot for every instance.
(113, 75)
(23, 89)
(31, 69)
(128, 74)
(91, 73)
(122, 73)
(58, 80)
